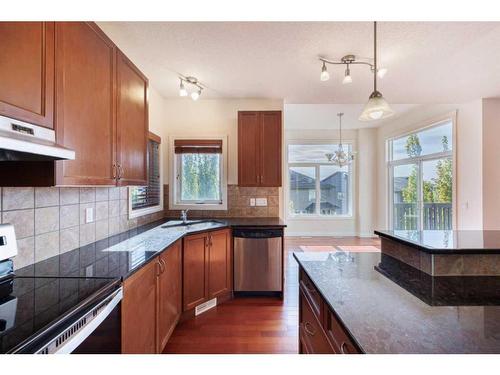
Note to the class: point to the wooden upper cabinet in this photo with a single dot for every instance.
(195, 275)
(219, 263)
(139, 311)
(271, 149)
(249, 124)
(169, 293)
(259, 148)
(132, 123)
(85, 103)
(27, 71)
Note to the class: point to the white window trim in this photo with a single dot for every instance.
(172, 194)
(430, 123)
(352, 180)
(147, 210)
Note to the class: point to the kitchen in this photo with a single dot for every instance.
(172, 212)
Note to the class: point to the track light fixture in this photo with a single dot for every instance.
(377, 107)
(193, 82)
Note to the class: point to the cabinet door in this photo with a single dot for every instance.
(249, 148)
(139, 311)
(169, 293)
(219, 263)
(27, 71)
(132, 123)
(195, 280)
(270, 148)
(85, 103)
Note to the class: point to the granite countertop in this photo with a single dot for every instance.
(121, 255)
(447, 241)
(389, 307)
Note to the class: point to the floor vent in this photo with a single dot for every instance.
(205, 306)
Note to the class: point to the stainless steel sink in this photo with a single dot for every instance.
(192, 225)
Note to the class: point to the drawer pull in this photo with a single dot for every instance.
(309, 329)
(343, 348)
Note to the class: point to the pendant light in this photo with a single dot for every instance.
(325, 76)
(340, 157)
(182, 89)
(377, 107)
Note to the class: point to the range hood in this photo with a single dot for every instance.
(20, 141)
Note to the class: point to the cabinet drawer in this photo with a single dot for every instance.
(312, 295)
(311, 334)
(338, 337)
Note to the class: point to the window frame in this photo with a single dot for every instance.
(317, 165)
(151, 209)
(418, 160)
(174, 185)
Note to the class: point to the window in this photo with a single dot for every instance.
(199, 175)
(316, 187)
(421, 179)
(148, 199)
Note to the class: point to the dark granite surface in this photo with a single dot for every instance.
(389, 307)
(448, 241)
(123, 254)
(28, 305)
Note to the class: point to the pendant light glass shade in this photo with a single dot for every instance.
(377, 108)
(325, 76)
(182, 90)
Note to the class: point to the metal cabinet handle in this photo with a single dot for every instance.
(343, 348)
(120, 172)
(114, 171)
(307, 328)
(164, 264)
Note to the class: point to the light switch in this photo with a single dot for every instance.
(252, 202)
(261, 202)
(89, 215)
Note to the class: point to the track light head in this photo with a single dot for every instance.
(325, 76)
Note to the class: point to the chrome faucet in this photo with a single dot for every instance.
(184, 216)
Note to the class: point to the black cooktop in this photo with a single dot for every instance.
(29, 305)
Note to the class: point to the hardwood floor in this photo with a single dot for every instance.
(256, 324)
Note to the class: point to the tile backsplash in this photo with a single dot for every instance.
(238, 203)
(51, 221)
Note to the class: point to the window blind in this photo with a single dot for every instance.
(148, 196)
(198, 146)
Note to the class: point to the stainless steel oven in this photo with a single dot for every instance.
(258, 259)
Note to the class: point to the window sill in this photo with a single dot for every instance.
(320, 217)
(144, 211)
(200, 207)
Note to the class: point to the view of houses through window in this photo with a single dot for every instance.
(316, 187)
(421, 173)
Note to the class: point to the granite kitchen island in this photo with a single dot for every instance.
(374, 303)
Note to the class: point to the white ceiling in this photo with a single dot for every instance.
(428, 62)
(324, 116)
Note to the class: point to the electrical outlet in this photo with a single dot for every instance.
(89, 215)
(261, 202)
(252, 202)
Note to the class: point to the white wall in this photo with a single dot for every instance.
(367, 181)
(491, 158)
(468, 178)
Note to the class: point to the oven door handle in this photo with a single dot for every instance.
(73, 342)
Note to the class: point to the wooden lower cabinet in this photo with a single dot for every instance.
(139, 310)
(320, 332)
(151, 304)
(169, 294)
(207, 267)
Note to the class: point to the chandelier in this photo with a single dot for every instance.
(192, 82)
(340, 157)
(377, 107)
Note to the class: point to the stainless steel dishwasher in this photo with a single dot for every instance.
(258, 260)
